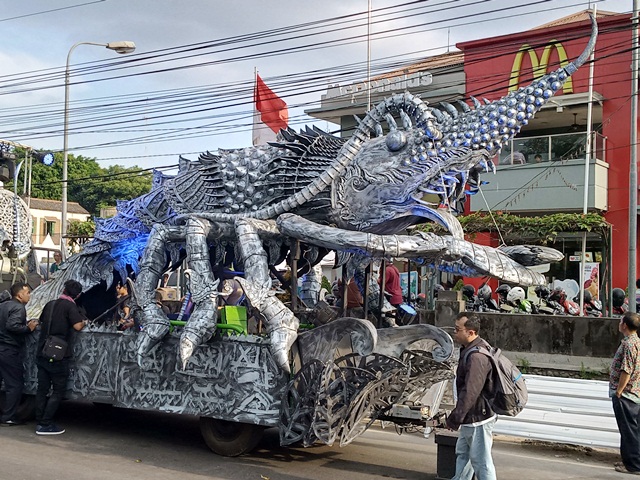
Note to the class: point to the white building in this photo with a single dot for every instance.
(47, 218)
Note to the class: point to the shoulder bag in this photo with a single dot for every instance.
(54, 348)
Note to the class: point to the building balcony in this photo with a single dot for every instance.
(547, 173)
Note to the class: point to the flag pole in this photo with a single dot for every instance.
(369, 56)
(255, 109)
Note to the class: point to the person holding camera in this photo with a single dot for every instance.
(59, 318)
(13, 331)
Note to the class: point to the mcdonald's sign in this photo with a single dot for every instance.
(539, 65)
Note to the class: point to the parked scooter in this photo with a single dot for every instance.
(619, 301)
(502, 291)
(469, 296)
(547, 306)
(570, 307)
(591, 307)
(516, 298)
(485, 303)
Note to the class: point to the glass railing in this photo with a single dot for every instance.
(568, 146)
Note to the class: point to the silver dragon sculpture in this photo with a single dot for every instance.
(245, 207)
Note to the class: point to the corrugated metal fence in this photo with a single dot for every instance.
(565, 410)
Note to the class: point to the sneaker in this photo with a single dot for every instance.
(11, 423)
(49, 430)
(623, 469)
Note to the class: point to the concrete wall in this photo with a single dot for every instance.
(540, 341)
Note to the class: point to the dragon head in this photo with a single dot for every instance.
(383, 185)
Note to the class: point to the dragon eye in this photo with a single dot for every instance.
(396, 140)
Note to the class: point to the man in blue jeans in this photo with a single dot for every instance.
(624, 390)
(473, 415)
(59, 318)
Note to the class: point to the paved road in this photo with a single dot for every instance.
(112, 444)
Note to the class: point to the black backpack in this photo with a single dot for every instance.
(509, 395)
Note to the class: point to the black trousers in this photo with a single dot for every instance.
(12, 373)
(51, 376)
(628, 419)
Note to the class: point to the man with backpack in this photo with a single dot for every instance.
(473, 414)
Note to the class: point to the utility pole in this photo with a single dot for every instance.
(633, 167)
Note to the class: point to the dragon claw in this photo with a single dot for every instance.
(282, 324)
(185, 351)
(282, 339)
(153, 331)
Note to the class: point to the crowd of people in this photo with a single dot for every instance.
(59, 319)
(354, 307)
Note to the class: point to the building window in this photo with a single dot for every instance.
(49, 228)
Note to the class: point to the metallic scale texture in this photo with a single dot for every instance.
(246, 209)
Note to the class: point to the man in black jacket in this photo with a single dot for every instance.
(13, 330)
(58, 318)
(472, 414)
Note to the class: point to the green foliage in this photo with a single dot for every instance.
(79, 232)
(81, 229)
(89, 184)
(326, 284)
(523, 364)
(546, 227)
(588, 374)
(119, 183)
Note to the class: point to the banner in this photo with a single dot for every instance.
(592, 279)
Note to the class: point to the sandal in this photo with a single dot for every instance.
(623, 469)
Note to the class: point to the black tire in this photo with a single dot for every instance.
(230, 439)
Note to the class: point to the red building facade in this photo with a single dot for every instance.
(495, 65)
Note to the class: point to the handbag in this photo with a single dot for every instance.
(55, 348)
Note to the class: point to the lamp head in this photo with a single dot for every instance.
(122, 47)
(46, 158)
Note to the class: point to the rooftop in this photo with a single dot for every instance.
(581, 16)
(56, 206)
(437, 61)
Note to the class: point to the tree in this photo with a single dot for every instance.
(89, 184)
(80, 232)
(110, 185)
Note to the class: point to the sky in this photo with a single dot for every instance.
(188, 87)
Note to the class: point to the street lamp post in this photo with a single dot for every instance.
(119, 47)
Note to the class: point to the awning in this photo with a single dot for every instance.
(572, 99)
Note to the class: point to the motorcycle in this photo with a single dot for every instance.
(619, 301)
(592, 307)
(484, 302)
(569, 306)
(545, 305)
(516, 299)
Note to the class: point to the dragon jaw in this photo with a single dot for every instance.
(388, 176)
(382, 188)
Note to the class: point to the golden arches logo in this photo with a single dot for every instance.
(539, 66)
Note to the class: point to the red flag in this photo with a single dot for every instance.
(273, 110)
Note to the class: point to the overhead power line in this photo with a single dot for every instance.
(178, 107)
